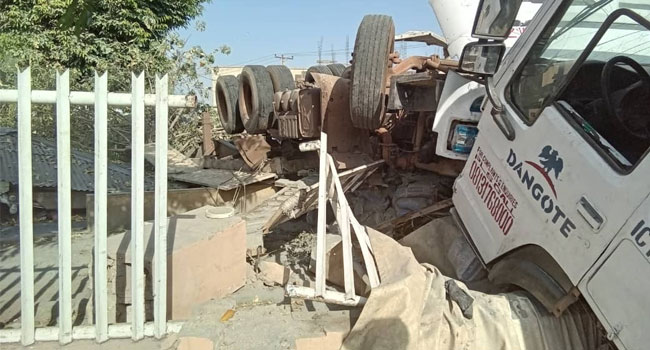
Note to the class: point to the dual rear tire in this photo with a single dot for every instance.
(374, 42)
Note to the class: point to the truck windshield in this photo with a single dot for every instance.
(557, 50)
(606, 95)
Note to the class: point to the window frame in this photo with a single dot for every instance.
(551, 100)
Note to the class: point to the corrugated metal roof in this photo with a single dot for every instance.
(44, 165)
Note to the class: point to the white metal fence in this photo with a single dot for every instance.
(24, 96)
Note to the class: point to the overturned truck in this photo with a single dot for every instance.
(553, 196)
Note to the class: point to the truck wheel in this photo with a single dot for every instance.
(316, 69)
(337, 69)
(255, 99)
(227, 92)
(374, 42)
(281, 78)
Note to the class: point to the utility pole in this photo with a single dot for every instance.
(347, 50)
(320, 50)
(403, 49)
(333, 55)
(283, 58)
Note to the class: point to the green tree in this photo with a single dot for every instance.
(118, 36)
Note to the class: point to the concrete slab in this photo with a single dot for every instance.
(206, 259)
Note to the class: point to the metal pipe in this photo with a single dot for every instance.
(88, 98)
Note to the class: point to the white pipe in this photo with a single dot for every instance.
(137, 206)
(64, 206)
(101, 198)
(328, 296)
(88, 98)
(115, 331)
(25, 207)
(160, 233)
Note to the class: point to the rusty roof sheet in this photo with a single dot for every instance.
(44, 167)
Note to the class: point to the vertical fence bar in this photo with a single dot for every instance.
(137, 206)
(64, 206)
(101, 198)
(25, 206)
(160, 257)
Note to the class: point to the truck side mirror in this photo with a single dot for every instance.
(481, 57)
(494, 19)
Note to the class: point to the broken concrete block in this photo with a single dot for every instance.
(273, 273)
(329, 341)
(195, 343)
(334, 264)
(206, 259)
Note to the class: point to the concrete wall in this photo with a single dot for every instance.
(178, 202)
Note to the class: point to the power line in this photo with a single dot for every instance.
(271, 57)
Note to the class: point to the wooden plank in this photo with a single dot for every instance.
(64, 194)
(222, 179)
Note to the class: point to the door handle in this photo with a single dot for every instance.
(590, 213)
(503, 123)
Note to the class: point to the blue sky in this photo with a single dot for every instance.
(256, 30)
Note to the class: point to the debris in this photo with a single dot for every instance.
(273, 273)
(177, 162)
(334, 265)
(253, 149)
(224, 180)
(305, 200)
(329, 341)
(439, 206)
(461, 297)
(227, 315)
(413, 197)
(194, 343)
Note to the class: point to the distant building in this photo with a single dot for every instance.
(298, 74)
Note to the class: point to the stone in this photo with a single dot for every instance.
(273, 273)
(194, 343)
(329, 341)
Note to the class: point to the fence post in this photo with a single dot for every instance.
(64, 206)
(160, 257)
(101, 197)
(25, 206)
(137, 206)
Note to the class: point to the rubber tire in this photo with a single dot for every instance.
(227, 96)
(316, 69)
(255, 99)
(337, 69)
(374, 42)
(281, 78)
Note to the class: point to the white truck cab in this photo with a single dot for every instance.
(554, 196)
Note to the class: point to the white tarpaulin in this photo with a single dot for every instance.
(415, 309)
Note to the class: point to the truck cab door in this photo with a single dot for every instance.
(545, 170)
